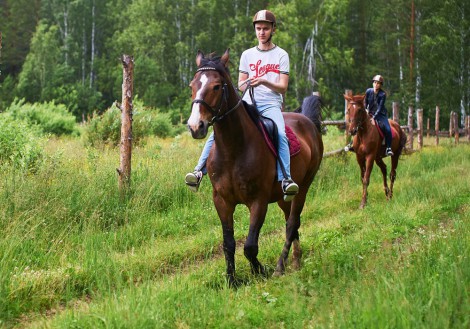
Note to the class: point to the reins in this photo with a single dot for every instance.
(216, 116)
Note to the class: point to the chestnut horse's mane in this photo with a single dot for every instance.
(358, 98)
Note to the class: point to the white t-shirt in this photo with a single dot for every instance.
(268, 64)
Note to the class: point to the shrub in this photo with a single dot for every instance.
(106, 128)
(20, 144)
(103, 128)
(51, 118)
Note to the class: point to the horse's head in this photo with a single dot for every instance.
(210, 92)
(356, 111)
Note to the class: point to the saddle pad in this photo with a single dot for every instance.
(381, 132)
(294, 144)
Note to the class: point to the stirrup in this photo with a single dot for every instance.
(193, 179)
(290, 189)
(389, 152)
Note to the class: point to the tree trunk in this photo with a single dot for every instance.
(417, 58)
(124, 170)
(437, 125)
(93, 32)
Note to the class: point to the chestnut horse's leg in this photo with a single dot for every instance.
(393, 172)
(226, 219)
(383, 169)
(365, 172)
(257, 216)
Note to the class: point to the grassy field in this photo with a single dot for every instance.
(73, 255)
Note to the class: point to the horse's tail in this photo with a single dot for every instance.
(403, 139)
(312, 108)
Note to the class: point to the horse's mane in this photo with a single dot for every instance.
(358, 99)
(213, 60)
(252, 111)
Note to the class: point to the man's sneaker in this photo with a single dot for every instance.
(349, 148)
(389, 152)
(290, 189)
(193, 179)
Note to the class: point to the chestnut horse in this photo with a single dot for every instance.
(367, 143)
(241, 166)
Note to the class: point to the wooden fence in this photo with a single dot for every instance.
(453, 132)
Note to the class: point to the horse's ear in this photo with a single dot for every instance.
(346, 97)
(199, 57)
(225, 57)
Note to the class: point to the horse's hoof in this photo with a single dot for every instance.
(277, 273)
(296, 264)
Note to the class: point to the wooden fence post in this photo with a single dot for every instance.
(428, 127)
(0, 52)
(396, 112)
(451, 124)
(124, 170)
(437, 125)
(456, 127)
(347, 92)
(419, 122)
(467, 125)
(410, 127)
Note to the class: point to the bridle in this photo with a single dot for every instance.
(216, 113)
(358, 122)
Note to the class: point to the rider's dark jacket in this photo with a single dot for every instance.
(375, 103)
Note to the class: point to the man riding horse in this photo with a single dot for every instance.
(265, 68)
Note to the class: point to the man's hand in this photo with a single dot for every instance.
(256, 82)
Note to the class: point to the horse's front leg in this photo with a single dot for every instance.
(257, 216)
(383, 169)
(225, 213)
(366, 179)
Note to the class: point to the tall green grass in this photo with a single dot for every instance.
(73, 254)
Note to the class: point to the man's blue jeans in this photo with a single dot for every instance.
(274, 113)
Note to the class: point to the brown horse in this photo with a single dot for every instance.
(367, 143)
(241, 167)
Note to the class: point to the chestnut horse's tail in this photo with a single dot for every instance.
(312, 107)
(403, 139)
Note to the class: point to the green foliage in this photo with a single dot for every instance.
(7, 88)
(106, 128)
(70, 240)
(50, 118)
(40, 65)
(333, 46)
(21, 144)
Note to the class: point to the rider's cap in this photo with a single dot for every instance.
(378, 78)
(264, 16)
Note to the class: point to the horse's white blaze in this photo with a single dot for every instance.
(194, 119)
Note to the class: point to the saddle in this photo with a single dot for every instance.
(268, 129)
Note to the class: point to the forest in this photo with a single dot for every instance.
(68, 51)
